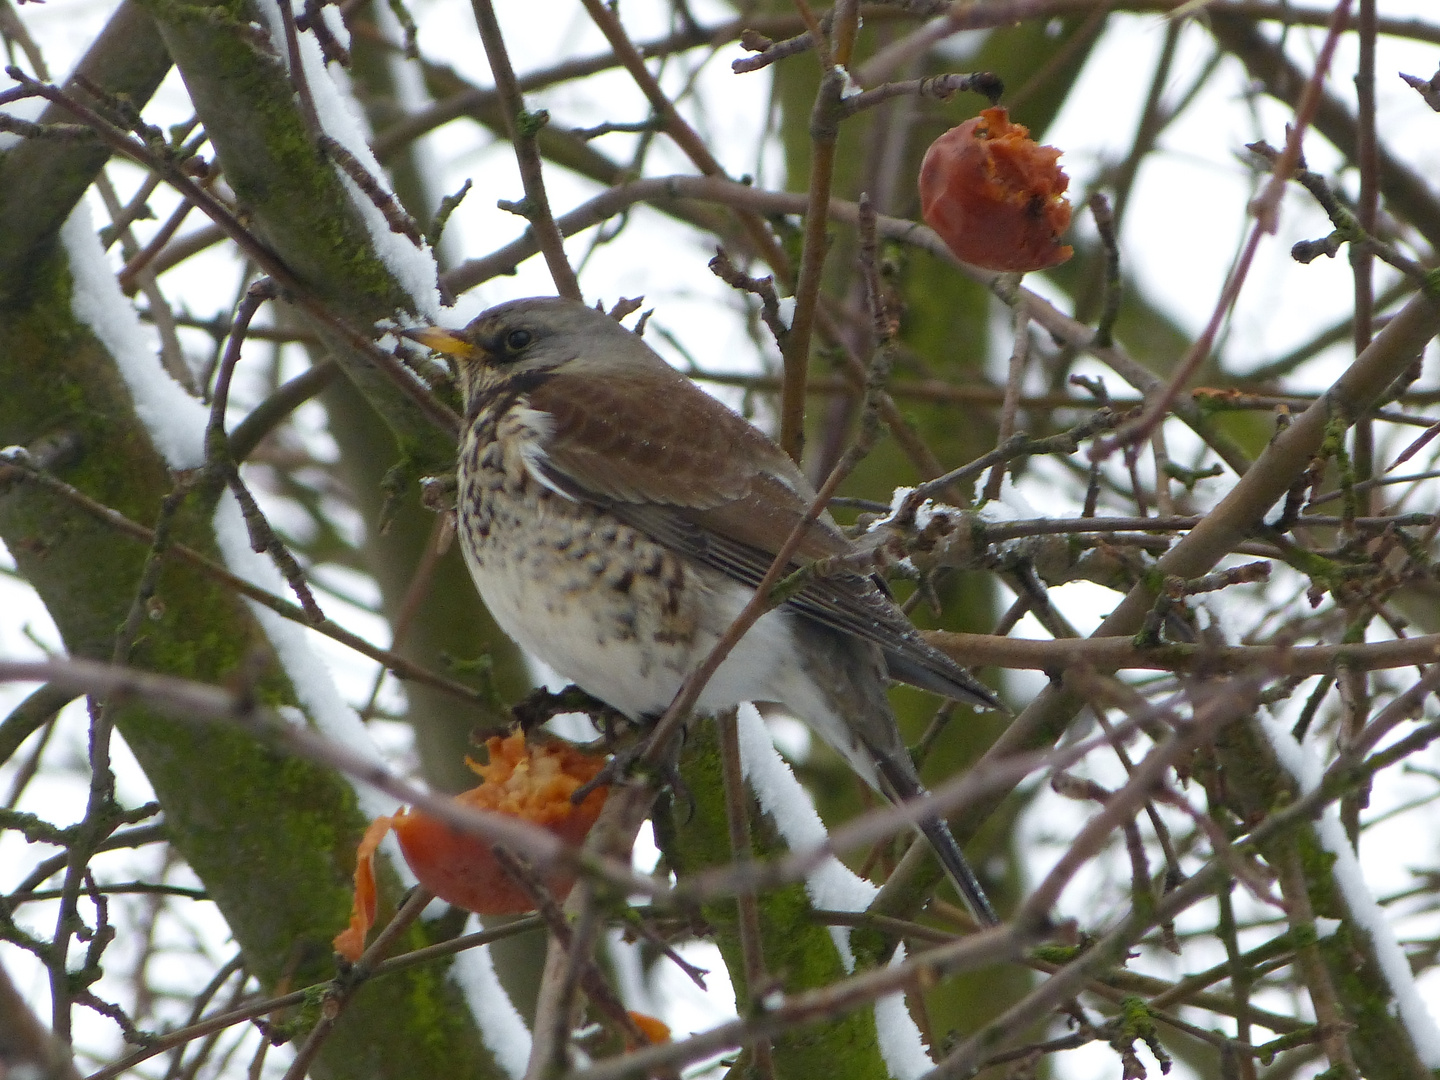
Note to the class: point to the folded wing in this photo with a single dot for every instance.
(701, 480)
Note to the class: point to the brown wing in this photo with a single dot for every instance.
(618, 437)
(702, 480)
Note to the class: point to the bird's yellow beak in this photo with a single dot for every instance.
(442, 341)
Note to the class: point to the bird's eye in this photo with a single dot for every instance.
(518, 339)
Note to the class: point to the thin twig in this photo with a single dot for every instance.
(762, 600)
(341, 990)
(253, 1010)
(684, 136)
(591, 979)
(122, 143)
(1019, 357)
(1266, 210)
(1115, 653)
(389, 206)
(940, 87)
(522, 126)
(102, 813)
(737, 820)
(401, 666)
(263, 539)
(825, 116)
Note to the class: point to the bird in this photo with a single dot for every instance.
(615, 518)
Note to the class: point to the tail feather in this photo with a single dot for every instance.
(901, 784)
(932, 670)
(953, 859)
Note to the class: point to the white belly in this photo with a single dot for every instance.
(577, 635)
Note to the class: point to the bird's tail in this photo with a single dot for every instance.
(903, 785)
(958, 867)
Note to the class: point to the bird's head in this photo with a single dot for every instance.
(533, 338)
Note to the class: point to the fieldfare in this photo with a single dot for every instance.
(616, 519)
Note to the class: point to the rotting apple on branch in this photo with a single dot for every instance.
(533, 782)
(995, 196)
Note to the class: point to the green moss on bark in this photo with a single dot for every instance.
(271, 837)
(799, 952)
(1254, 783)
(291, 195)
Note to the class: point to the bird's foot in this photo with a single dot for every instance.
(541, 705)
(438, 493)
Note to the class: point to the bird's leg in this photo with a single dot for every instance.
(541, 705)
(438, 493)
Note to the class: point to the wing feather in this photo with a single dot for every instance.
(702, 480)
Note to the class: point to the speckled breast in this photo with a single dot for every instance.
(600, 602)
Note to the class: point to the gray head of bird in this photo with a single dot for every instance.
(539, 335)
